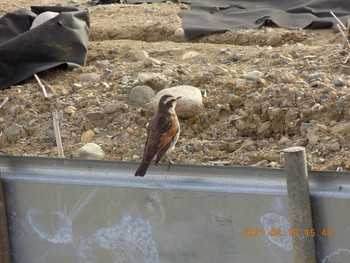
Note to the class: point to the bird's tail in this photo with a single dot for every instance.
(142, 169)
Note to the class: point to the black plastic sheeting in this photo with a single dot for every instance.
(60, 40)
(208, 16)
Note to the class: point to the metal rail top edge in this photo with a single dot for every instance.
(180, 176)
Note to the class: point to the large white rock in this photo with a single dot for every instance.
(91, 151)
(190, 104)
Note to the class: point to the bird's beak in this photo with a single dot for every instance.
(177, 98)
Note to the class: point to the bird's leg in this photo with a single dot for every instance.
(170, 162)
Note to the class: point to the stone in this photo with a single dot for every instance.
(156, 81)
(179, 33)
(148, 62)
(42, 18)
(283, 140)
(141, 95)
(340, 128)
(338, 81)
(87, 136)
(15, 132)
(217, 70)
(254, 75)
(95, 119)
(189, 105)
(113, 107)
(190, 55)
(90, 77)
(263, 127)
(71, 110)
(197, 145)
(141, 55)
(334, 146)
(91, 151)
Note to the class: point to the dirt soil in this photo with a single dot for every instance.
(299, 98)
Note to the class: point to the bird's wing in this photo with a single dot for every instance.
(167, 132)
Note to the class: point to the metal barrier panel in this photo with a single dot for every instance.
(61, 210)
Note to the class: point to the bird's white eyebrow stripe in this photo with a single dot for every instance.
(168, 99)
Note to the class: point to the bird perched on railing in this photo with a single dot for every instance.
(163, 133)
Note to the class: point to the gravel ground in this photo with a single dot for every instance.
(263, 90)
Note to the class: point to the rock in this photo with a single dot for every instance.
(140, 95)
(189, 55)
(304, 127)
(90, 77)
(91, 151)
(95, 119)
(113, 107)
(340, 128)
(236, 56)
(263, 127)
(217, 70)
(156, 81)
(254, 75)
(179, 33)
(148, 62)
(15, 132)
(316, 75)
(87, 136)
(338, 81)
(42, 18)
(71, 110)
(190, 104)
(141, 55)
(103, 64)
(274, 40)
(334, 146)
(168, 72)
(283, 140)
(197, 145)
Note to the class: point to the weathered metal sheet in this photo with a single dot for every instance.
(62, 210)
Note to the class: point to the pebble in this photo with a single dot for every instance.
(149, 62)
(254, 75)
(168, 72)
(113, 107)
(179, 33)
(71, 110)
(189, 55)
(15, 132)
(91, 151)
(90, 77)
(190, 104)
(263, 127)
(87, 136)
(340, 128)
(236, 56)
(304, 127)
(217, 70)
(338, 81)
(334, 146)
(197, 145)
(103, 64)
(316, 75)
(140, 95)
(283, 140)
(96, 119)
(156, 81)
(141, 55)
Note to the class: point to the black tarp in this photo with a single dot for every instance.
(208, 16)
(60, 40)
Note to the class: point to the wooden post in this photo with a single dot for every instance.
(4, 241)
(299, 205)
